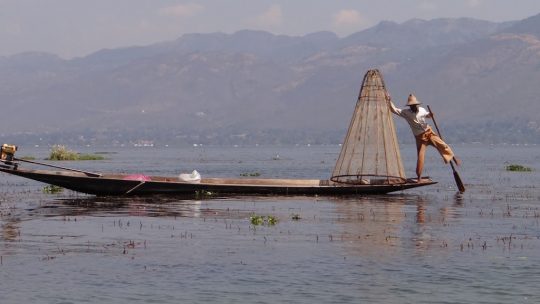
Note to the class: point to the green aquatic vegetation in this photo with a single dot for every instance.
(60, 152)
(52, 189)
(271, 220)
(256, 220)
(252, 174)
(517, 168)
(263, 220)
(90, 157)
(200, 194)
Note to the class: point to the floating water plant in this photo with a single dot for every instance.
(250, 174)
(89, 157)
(52, 189)
(263, 220)
(256, 220)
(204, 194)
(517, 168)
(60, 152)
(295, 217)
(271, 220)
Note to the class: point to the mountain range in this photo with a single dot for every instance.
(481, 79)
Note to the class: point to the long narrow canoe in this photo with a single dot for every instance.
(119, 184)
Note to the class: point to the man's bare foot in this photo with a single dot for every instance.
(457, 161)
(419, 180)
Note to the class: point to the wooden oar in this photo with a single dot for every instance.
(457, 178)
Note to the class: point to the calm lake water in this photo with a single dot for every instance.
(426, 245)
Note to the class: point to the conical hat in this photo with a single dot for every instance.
(411, 101)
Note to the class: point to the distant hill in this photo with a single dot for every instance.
(480, 77)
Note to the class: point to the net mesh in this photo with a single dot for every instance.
(370, 153)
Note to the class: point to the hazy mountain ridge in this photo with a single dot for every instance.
(251, 84)
(419, 34)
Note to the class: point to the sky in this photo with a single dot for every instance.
(75, 28)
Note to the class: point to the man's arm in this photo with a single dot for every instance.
(391, 105)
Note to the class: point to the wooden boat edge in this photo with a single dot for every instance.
(114, 184)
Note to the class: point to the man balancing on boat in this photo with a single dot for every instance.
(416, 116)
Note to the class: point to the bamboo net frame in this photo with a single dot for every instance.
(370, 153)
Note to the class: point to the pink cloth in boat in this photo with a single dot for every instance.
(138, 177)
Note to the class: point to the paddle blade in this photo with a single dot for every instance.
(459, 183)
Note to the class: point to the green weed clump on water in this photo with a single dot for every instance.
(60, 152)
(52, 189)
(202, 194)
(90, 157)
(517, 168)
(262, 220)
(295, 217)
(252, 174)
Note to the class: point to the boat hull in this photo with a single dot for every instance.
(115, 185)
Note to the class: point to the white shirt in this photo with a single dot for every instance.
(417, 121)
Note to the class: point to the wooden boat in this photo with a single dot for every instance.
(119, 184)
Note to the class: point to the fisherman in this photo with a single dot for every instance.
(416, 116)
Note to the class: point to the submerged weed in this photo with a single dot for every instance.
(52, 189)
(517, 168)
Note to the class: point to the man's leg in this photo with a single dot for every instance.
(421, 149)
(444, 149)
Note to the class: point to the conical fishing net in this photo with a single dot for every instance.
(370, 153)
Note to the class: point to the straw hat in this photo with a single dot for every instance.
(411, 101)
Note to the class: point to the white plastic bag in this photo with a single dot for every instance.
(193, 177)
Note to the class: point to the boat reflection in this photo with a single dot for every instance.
(10, 235)
(387, 225)
(128, 206)
(10, 229)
